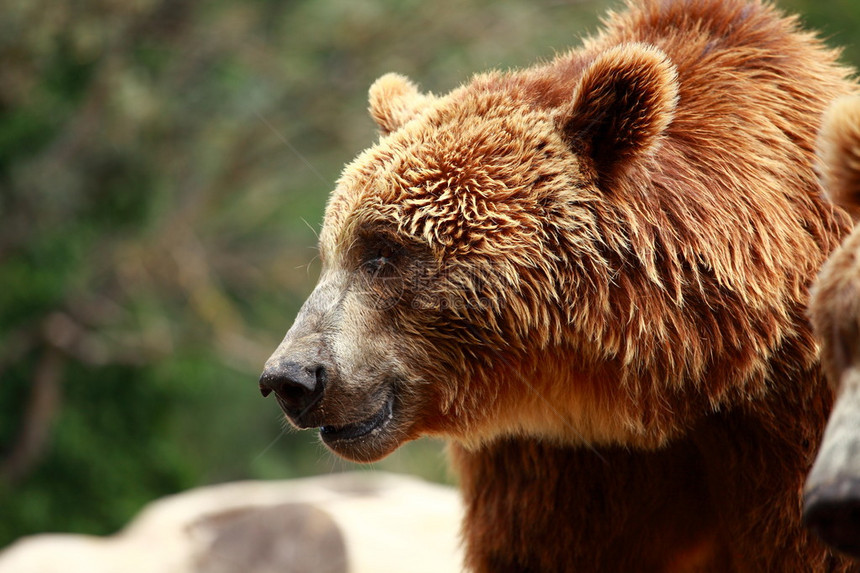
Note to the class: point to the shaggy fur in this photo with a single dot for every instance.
(591, 275)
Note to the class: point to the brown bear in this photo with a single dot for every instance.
(591, 277)
(832, 500)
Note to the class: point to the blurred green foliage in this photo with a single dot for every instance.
(163, 168)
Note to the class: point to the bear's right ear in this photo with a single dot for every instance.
(394, 100)
(623, 104)
(839, 152)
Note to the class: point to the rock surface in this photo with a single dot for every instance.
(342, 523)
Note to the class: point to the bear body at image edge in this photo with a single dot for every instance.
(591, 276)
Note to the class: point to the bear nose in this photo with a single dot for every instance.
(833, 512)
(298, 386)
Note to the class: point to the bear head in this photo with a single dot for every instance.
(464, 249)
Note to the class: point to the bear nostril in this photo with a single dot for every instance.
(294, 393)
(320, 375)
(298, 387)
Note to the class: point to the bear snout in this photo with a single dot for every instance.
(832, 511)
(298, 385)
(832, 496)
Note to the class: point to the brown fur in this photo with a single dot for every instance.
(591, 275)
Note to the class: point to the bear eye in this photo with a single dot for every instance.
(385, 252)
(380, 257)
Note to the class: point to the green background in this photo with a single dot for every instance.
(164, 165)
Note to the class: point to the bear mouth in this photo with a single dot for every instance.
(360, 429)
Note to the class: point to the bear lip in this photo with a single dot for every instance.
(359, 429)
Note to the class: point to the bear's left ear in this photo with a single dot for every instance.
(624, 102)
(394, 100)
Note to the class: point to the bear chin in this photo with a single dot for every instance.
(367, 440)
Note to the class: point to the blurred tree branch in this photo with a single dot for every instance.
(41, 410)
